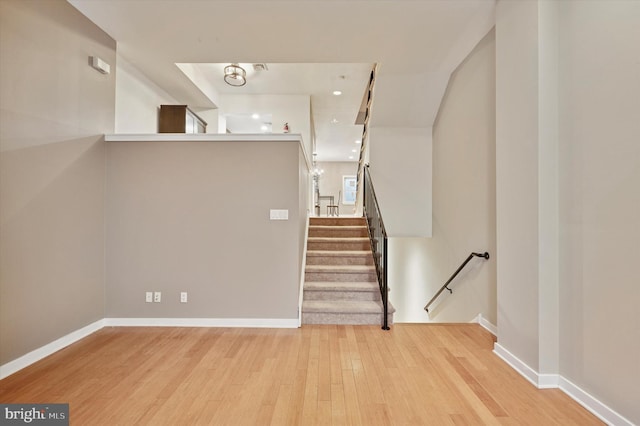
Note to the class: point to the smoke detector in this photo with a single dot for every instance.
(260, 67)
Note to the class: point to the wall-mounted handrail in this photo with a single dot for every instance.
(378, 239)
(444, 287)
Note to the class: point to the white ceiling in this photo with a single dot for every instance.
(417, 44)
(334, 116)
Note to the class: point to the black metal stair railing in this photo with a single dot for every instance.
(378, 239)
(445, 286)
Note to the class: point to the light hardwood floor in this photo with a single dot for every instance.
(319, 374)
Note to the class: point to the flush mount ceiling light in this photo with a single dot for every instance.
(337, 93)
(235, 75)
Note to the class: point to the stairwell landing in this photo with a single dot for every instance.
(341, 286)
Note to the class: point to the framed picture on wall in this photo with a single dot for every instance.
(349, 188)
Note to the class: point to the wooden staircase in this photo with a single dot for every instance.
(341, 286)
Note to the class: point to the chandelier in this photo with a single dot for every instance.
(235, 75)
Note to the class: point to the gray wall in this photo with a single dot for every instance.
(568, 204)
(517, 178)
(194, 217)
(463, 205)
(599, 158)
(54, 109)
(401, 171)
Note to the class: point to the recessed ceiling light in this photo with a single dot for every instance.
(358, 141)
(255, 116)
(337, 92)
(264, 128)
(351, 157)
(354, 150)
(334, 121)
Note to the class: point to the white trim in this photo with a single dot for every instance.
(525, 371)
(203, 322)
(61, 343)
(485, 324)
(48, 349)
(589, 402)
(303, 270)
(547, 381)
(203, 137)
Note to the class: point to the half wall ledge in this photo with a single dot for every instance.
(203, 137)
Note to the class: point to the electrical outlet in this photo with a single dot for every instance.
(183, 297)
(157, 297)
(148, 297)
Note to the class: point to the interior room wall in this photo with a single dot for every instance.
(517, 179)
(401, 170)
(331, 183)
(292, 109)
(194, 217)
(464, 217)
(54, 109)
(599, 65)
(586, 158)
(138, 100)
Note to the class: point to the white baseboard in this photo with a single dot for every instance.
(203, 322)
(515, 363)
(546, 381)
(48, 349)
(541, 381)
(485, 324)
(589, 402)
(303, 268)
